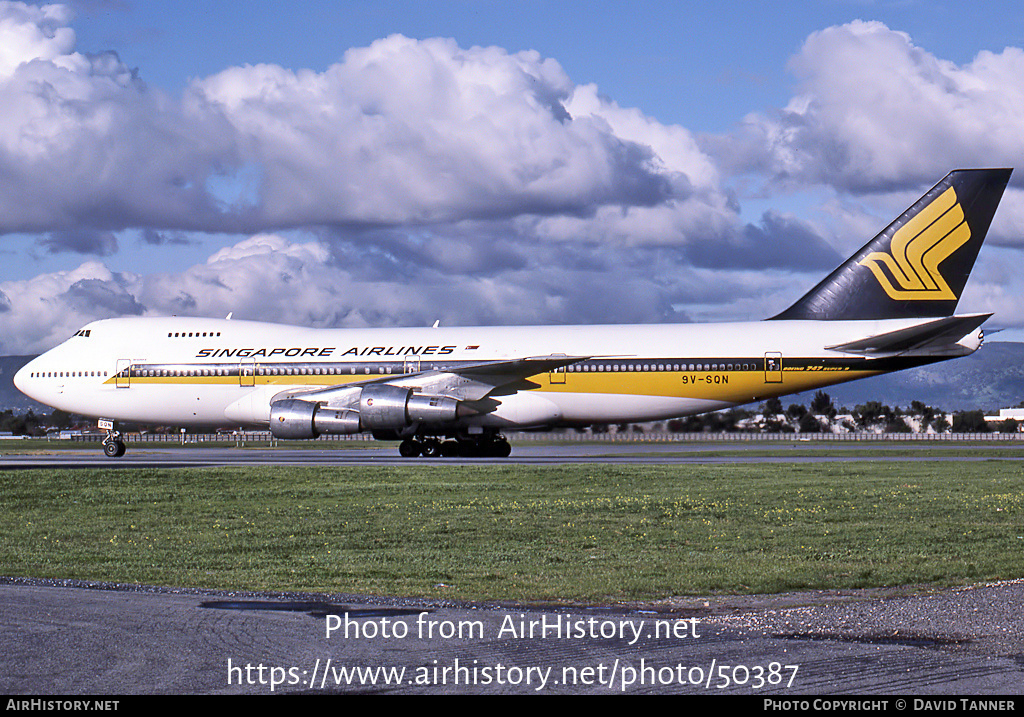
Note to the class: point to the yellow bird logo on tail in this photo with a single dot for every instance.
(917, 249)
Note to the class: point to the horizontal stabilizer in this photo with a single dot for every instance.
(931, 334)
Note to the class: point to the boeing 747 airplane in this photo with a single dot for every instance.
(452, 391)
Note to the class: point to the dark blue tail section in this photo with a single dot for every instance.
(918, 266)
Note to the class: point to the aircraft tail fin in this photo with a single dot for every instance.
(918, 266)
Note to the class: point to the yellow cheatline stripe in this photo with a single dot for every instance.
(729, 386)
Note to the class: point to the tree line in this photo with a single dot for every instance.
(823, 416)
(37, 425)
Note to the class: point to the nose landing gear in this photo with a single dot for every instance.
(113, 445)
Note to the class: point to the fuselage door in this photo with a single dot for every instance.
(557, 376)
(123, 377)
(773, 367)
(247, 372)
(412, 364)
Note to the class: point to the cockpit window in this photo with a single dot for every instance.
(84, 332)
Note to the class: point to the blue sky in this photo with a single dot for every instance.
(698, 64)
(392, 163)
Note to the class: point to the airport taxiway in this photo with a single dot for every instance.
(150, 455)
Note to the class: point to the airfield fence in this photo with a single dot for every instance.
(574, 437)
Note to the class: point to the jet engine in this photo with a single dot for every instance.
(379, 407)
(305, 419)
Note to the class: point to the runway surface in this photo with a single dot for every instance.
(67, 638)
(149, 455)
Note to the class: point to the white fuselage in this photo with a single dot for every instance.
(195, 371)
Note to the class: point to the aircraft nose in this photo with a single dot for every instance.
(22, 378)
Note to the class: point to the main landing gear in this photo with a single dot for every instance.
(487, 447)
(113, 445)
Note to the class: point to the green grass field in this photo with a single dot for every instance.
(590, 533)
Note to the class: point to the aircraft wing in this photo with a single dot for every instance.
(473, 382)
(929, 335)
(499, 373)
(470, 382)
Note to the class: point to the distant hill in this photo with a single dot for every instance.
(989, 379)
(10, 397)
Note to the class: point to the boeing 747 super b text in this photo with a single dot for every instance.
(452, 391)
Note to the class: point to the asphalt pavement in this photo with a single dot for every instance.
(62, 638)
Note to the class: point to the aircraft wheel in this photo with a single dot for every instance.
(114, 449)
(431, 449)
(450, 449)
(408, 449)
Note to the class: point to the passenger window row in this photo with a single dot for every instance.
(67, 374)
(647, 367)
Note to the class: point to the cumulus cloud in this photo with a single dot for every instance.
(416, 180)
(404, 137)
(268, 277)
(98, 296)
(85, 144)
(43, 311)
(400, 133)
(272, 278)
(28, 32)
(403, 131)
(475, 186)
(423, 131)
(875, 112)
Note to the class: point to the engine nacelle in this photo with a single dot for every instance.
(381, 407)
(336, 421)
(292, 418)
(431, 409)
